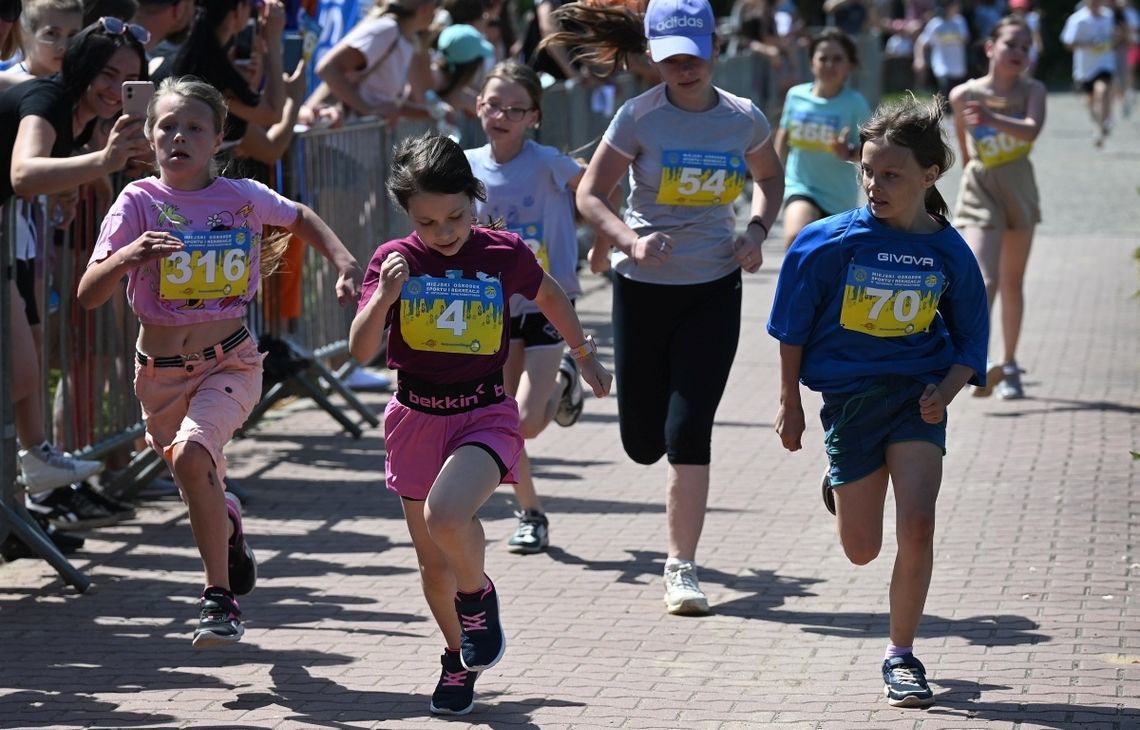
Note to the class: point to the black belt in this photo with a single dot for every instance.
(451, 398)
(210, 353)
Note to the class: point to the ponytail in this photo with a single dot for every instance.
(600, 36)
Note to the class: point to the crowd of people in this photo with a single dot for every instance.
(881, 304)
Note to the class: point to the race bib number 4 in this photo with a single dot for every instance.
(811, 131)
(884, 303)
(531, 234)
(212, 265)
(998, 148)
(700, 178)
(452, 315)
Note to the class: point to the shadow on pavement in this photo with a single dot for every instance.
(959, 701)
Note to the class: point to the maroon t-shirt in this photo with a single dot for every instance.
(451, 323)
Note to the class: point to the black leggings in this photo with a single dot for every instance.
(673, 349)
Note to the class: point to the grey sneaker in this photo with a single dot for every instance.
(904, 680)
(570, 406)
(994, 375)
(1010, 387)
(683, 594)
(532, 535)
(45, 467)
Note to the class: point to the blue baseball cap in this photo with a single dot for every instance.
(463, 43)
(676, 27)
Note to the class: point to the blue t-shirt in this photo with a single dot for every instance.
(531, 195)
(865, 300)
(810, 122)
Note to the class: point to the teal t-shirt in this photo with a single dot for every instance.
(812, 169)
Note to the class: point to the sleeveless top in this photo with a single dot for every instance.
(989, 146)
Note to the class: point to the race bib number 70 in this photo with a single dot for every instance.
(452, 315)
(884, 303)
(212, 265)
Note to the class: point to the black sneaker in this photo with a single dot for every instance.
(570, 405)
(455, 692)
(66, 509)
(481, 638)
(532, 535)
(219, 622)
(828, 494)
(243, 564)
(905, 680)
(119, 510)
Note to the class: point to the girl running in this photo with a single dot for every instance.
(443, 294)
(531, 188)
(690, 147)
(190, 244)
(817, 135)
(997, 118)
(883, 310)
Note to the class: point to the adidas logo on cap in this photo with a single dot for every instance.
(682, 21)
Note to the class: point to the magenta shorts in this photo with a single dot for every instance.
(418, 443)
(203, 401)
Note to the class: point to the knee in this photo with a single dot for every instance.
(862, 551)
(916, 532)
(192, 463)
(445, 525)
(644, 454)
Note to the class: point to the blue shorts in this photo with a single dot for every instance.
(858, 427)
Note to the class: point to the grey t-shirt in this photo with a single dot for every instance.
(686, 169)
(531, 195)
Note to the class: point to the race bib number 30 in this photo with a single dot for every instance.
(998, 148)
(212, 265)
(700, 178)
(531, 234)
(452, 315)
(884, 303)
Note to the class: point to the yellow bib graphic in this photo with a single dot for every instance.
(213, 265)
(812, 131)
(884, 303)
(998, 148)
(531, 234)
(452, 315)
(695, 178)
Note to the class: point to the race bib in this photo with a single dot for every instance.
(213, 265)
(700, 178)
(812, 131)
(452, 315)
(531, 234)
(884, 303)
(998, 148)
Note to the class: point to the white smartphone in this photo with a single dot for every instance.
(136, 97)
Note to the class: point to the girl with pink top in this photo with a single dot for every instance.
(190, 245)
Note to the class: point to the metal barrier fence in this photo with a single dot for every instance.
(341, 174)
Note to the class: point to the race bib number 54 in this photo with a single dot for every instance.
(884, 303)
(452, 315)
(700, 178)
(212, 265)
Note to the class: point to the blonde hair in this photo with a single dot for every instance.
(32, 17)
(274, 241)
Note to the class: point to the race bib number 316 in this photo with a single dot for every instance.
(884, 303)
(700, 178)
(452, 315)
(212, 265)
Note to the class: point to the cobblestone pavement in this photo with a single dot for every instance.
(1032, 619)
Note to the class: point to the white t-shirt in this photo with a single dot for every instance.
(380, 38)
(1084, 27)
(947, 38)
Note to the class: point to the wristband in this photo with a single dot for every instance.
(758, 220)
(584, 350)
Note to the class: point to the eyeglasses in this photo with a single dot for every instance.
(10, 10)
(513, 113)
(114, 26)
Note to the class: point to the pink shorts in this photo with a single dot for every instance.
(203, 401)
(418, 443)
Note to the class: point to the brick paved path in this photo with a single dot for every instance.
(1031, 623)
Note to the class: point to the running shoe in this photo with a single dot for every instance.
(66, 509)
(683, 594)
(243, 564)
(905, 680)
(455, 692)
(532, 535)
(1010, 387)
(570, 405)
(219, 620)
(119, 510)
(45, 467)
(994, 375)
(481, 638)
(828, 493)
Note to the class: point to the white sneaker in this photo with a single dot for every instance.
(45, 467)
(361, 379)
(683, 594)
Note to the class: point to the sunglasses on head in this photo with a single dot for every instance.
(10, 10)
(114, 26)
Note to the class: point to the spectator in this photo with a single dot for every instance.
(46, 26)
(169, 24)
(850, 16)
(461, 65)
(946, 36)
(554, 60)
(124, 10)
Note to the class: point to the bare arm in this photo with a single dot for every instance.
(338, 69)
(556, 307)
(367, 331)
(767, 183)
(269, 145)
(790, 418)
(781, 144)
(594, 190)
(957, 107)
(35, 172)
(1030, 126)
(102, 278)
(547, 27)
(316, 233)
